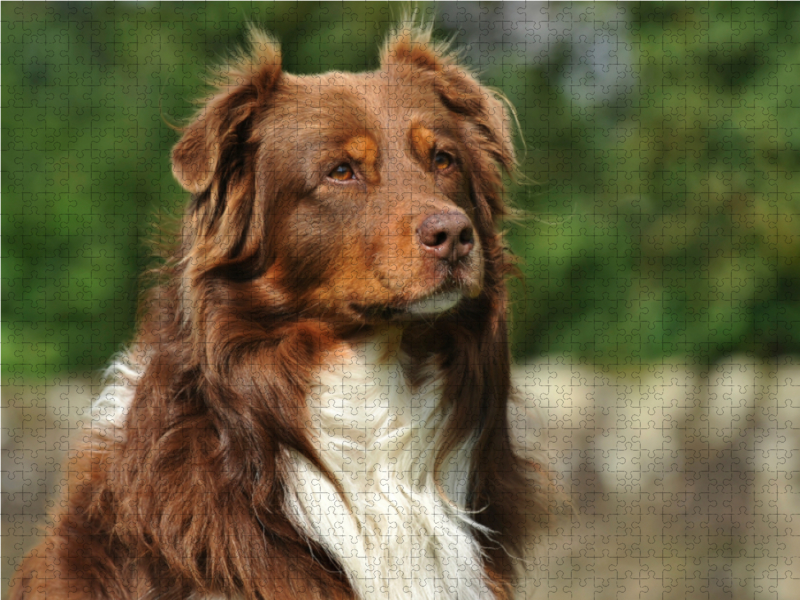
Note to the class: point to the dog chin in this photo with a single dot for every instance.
(430, 306)
(435, 305)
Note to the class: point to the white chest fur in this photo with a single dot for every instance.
(397, 538)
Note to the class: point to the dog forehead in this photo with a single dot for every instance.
(379, 87)
(366, 100)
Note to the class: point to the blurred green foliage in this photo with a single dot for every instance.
(670, 215)
(663, 209)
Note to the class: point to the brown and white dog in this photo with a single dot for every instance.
(315, 402)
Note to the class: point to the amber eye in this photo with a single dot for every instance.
(343, 172)
(442, 160)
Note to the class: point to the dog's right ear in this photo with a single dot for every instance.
(242, 86)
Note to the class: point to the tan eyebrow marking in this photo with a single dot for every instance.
(423, 140)
(364, 150)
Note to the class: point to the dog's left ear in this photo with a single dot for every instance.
(215, 160)
(411, 53)
(242, 86)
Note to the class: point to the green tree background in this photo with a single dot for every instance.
(658, 169)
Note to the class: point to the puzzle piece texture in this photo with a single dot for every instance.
(656, 322)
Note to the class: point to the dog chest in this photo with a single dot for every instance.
(393, 533)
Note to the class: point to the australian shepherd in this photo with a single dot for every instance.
(315, 402)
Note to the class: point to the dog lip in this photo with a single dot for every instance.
(435, 304)
(439, 302)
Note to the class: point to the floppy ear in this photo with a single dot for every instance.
(411, 53)
(223, 228)
(242, 87)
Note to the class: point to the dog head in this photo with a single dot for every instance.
(362, 197)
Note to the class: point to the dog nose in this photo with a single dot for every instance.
(447, 236)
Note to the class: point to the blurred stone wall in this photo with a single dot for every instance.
(40, 423)
(684, 483)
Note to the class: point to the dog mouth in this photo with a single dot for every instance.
(430, 306)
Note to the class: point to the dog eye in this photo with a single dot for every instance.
(442, 161)
(343, 172)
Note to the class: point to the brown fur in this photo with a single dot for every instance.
(275, 266)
